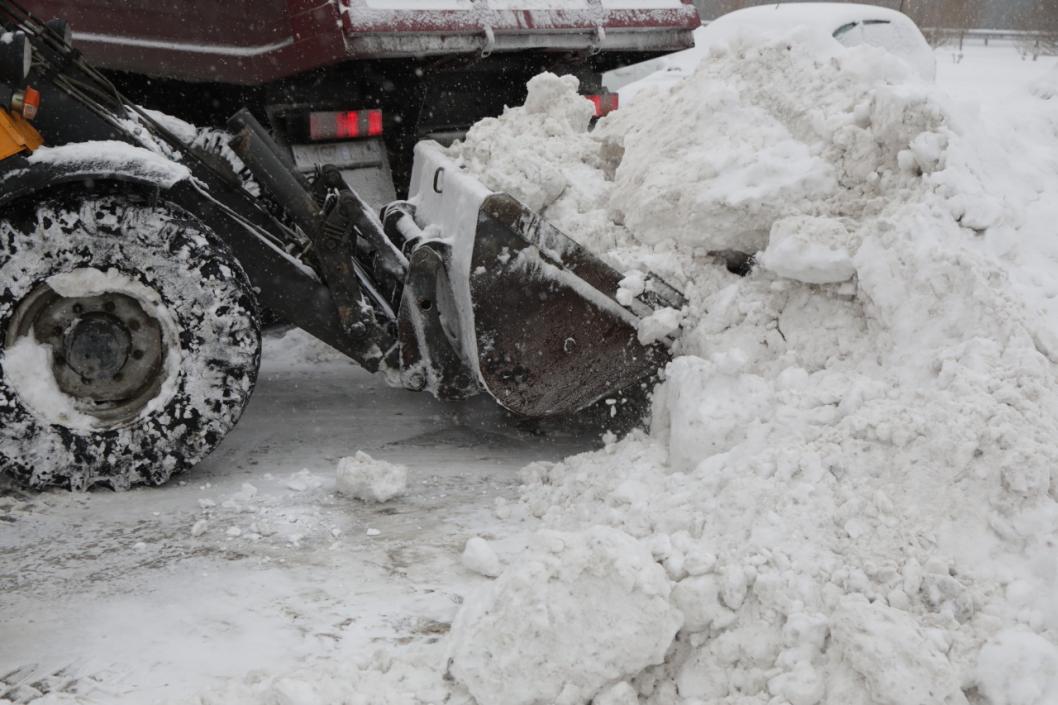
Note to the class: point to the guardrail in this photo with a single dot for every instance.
(1029, 42)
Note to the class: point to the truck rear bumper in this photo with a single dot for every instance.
(489, 42)
(378, 28)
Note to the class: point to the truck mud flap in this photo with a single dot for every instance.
(551, 338)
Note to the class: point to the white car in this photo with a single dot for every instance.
(850, 24)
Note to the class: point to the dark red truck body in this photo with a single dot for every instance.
(433, 67)
(250, 42)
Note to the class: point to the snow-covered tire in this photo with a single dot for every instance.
(167, 269)
(215, 141)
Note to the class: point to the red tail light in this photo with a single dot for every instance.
(349, 124)
(604, 103)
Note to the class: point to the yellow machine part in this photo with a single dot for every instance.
(17, 135)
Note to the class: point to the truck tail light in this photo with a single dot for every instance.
(605, 103)
(26, 102)
(348, 124)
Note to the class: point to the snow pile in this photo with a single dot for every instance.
(543, 155)
(851, 474)
(363, 477)
(578, 613)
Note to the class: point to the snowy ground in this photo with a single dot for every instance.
(986, 74)
(252, 581)
(114, 598)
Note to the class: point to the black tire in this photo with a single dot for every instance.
(213, 141)
(210, 343)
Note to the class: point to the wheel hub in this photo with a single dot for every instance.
(96, 347)
(108, 353)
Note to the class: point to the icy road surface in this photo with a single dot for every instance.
(253, 562)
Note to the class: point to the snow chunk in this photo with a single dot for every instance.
(808, 249)
(632, 285)
(1018, 668)
(899, 661)
(576, 613)
(557, 97)
(479, 557)
(363, 477)
(659, 324)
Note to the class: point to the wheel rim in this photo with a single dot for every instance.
(107, 351)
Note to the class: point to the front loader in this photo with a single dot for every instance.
(133, 269)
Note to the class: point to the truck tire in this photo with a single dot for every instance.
(129, 342)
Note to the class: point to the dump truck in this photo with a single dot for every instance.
(133, 268)
(358, 83)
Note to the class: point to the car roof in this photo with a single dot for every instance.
(827, 15)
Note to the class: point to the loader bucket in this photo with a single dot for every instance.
(538, 318)
(550, 339)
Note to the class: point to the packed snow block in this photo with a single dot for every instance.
(809, 249)
(577, 613)
(363, 477)
(899, 662)
(479, 557)
(707, 407)
(658, 325)
(1018, 667)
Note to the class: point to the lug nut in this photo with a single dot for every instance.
(109, 307)
(137, 354)
(78, 308)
